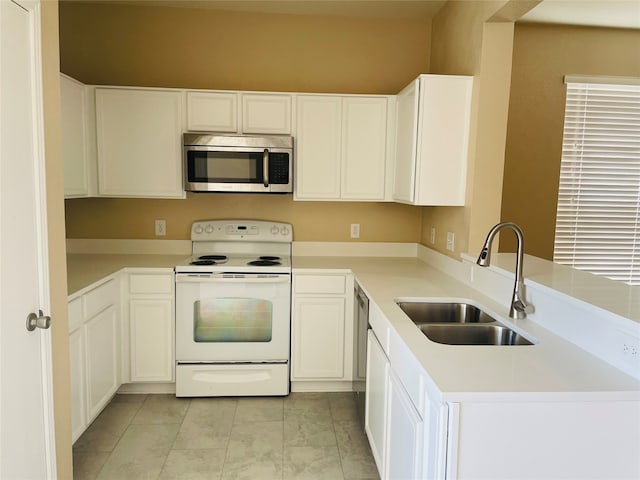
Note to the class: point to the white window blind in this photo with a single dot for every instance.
(598, 215)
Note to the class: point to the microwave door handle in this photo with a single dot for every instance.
(265, 168)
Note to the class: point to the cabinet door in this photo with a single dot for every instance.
(443, 138)
(376, 401)
(318, 147)
(139, 134)
(78, 383)
(212, 112)
(405, 434)
(151, 327)
(364, 134)
(318, 338)
(101, 359)
(267, 113)
(74, 140)
(406, 138)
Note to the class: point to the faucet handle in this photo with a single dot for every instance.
(520, 308)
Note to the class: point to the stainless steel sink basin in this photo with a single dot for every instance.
(477, 334)
(433, 312)
(459, 323)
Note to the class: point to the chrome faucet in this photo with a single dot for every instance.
(519, 307)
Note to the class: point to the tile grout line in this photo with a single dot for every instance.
(226, 450)
(166, 457)
(122, 434)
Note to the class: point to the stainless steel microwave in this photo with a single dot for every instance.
(238, 163)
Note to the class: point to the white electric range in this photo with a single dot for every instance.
(233, 310)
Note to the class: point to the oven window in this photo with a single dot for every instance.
(232, 320)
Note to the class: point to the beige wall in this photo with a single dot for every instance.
(466, 41)
(56, 238)
(312, 221)
(542, 55)
(181, 47)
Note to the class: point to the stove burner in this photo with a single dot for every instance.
(212, 257)
(263, 263)
(268, 257)
(203, 262)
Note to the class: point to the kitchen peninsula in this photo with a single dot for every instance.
(558, 396)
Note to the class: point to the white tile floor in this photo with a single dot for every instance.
(302, 436)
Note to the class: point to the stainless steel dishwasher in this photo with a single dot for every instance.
(361, 306)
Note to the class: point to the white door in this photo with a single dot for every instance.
(26, 425)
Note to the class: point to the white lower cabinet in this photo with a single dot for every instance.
(102, 357)
(94, 352)
(151, 326)
(375, 417)
(322, 330)
(405, 434)
(393, 425)
(78, 376)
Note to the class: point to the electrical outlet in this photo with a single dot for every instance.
(433, 235)
(355, 230)
(450, 241)
(161, 228)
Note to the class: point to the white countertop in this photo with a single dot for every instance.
(86, 269)
(551, 370)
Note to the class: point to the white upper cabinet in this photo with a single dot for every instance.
(341, 147)
(78, 156)
(318, 147)
(432, 137)
(238, 112)
(139, 134)
(266, 113)
(364, 139)
(212, 112)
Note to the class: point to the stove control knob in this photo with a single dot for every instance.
(209, 229)
(198, 229)
(285, 231)
(274, 230)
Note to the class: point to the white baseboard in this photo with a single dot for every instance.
(141, 388)
(313, 386)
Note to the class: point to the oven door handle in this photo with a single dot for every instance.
(239, 278)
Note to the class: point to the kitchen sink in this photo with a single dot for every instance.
(450, 312)
(459, 323)
(478, 334)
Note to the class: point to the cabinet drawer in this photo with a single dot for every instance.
(334, 284)
(100, 298)
(150, 283)
(74, 312)
(408, 370)
(380, 326)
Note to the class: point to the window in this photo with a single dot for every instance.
(598, 215)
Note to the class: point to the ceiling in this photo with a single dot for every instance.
(605, 13)
(600, 13)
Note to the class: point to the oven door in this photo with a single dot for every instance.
(232, 317)
(237, 169)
